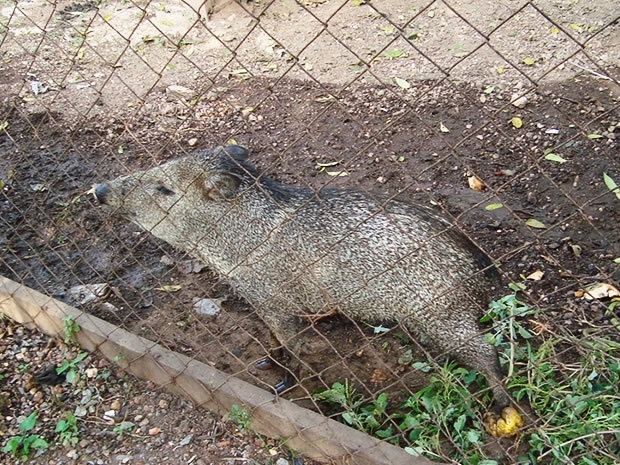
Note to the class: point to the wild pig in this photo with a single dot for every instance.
(292, 251)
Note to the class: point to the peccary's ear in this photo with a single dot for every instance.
(221, 185)
(236, 151)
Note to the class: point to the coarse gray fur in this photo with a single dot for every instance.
(292, 251)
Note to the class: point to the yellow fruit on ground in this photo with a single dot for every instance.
(505, 426)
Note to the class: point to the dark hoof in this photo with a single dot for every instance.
(282, 386)
(286, 383)
(264, 364)
(49, 375)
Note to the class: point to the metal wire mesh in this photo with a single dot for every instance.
(501, 116)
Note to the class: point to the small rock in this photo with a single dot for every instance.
(207, 307)
(518, 101)
(192, 266)
(183, 425)
(80, 411)
(116, 405)
(87, 293)
(186, 440)
(175, 92)
(193, 141)
(282, 461)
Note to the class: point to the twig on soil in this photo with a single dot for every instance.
(596, 73)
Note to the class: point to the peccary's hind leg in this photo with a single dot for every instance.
(494, 377)
(483, 358)
(469, 348)
(276, 352)
(284, 347)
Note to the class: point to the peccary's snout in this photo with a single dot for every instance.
(101, 191)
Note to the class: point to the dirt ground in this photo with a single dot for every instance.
(161, 428)
(421, 143)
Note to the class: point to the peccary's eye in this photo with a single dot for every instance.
(164, 190)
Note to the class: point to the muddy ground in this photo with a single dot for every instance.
(298, 97)
(56, 237)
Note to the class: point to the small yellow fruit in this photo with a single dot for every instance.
(506, 426)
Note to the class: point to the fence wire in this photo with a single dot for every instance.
(501, 117)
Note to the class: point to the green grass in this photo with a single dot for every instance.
(577, 404)
(571, 384)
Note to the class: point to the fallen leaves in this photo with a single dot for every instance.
(611, 185)
(475, 183)
(534, 223)
(598, 291)
(535, 276)
(169, 288)
(402, 83)
(554, 157)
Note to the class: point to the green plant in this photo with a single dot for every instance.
(579, 403)
(571, 385)
(70, 366)
(370, 417)
(505, 313)
(67, 430)
(70, 328)
(444, 409)
(23, 366)
(21, 445)
(123, 428)
(119, 358)
(240, 416)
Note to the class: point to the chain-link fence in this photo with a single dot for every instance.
(501, 117)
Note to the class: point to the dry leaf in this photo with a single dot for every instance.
(170, 288)
(402, 83)
(378, 376)
(328, 164)
(475, 183)
(536, 275)
(600, 291)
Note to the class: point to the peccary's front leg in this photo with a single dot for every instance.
(285, 345)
